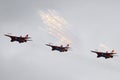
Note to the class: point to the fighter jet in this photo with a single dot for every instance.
(59, 48)
(19, 39)
(105, 54)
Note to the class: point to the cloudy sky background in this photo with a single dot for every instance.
(91, 23)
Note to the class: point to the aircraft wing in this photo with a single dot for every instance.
(94, 51)
(51, 45)
(97, 52)
(113, 53)
(48, 45)
(28, 37)
(29, 40)
(9, 35)
(102, 52)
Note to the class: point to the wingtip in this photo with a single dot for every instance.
(5, 35)
(91, 50)
(46, 44)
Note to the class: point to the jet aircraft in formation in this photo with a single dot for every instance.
(19, 39)
(59, 48)
(104, 54)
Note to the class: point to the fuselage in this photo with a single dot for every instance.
(104, 54)
(61, 49)
(18, 39)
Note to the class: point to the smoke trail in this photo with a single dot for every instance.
(56, 25)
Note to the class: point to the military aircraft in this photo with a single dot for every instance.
(19, 39)
(104, 54)
(59, 48)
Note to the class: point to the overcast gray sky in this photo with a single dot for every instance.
(91, 23)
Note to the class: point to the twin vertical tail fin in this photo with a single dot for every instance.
(26, 36)
(113, 51)
(67, 45)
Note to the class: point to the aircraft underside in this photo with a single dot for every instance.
(17, 39)
(105, 56)
(59, 49)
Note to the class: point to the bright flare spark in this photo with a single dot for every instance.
(56, 25)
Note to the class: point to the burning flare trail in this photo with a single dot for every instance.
(56, 25)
